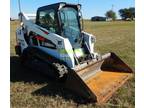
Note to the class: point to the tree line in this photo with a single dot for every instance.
(125, 14)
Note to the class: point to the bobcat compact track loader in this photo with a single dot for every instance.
(57, 45)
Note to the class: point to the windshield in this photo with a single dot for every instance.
(70, 24)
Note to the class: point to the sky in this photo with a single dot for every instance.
(90, 8)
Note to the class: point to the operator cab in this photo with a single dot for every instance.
(62, 19)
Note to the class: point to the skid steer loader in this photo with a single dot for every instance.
(57, 45)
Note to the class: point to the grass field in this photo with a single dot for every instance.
(30, 89)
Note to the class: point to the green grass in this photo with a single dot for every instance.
(32, 90)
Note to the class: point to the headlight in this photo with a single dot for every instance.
(61, 5)
(79, 6)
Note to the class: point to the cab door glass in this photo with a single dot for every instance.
(48, 20)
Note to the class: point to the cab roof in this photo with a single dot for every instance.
(56, 6)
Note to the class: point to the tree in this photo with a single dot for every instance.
(132, 10)
(127, 13)
(111, 15)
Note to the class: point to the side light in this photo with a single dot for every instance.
(93, 39)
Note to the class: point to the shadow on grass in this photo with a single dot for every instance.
(54, 90)
(20, 73)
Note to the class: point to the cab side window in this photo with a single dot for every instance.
(48, 20)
